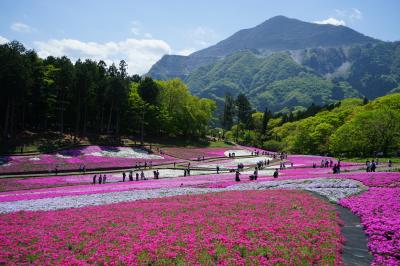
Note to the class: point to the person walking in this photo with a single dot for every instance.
(237, 176)
(100, 179)
(276, 173)
(217, 169)
(130, 176)
(104, 179)
(373, 166)
(94, 179)
(142, 176)
(123, 176)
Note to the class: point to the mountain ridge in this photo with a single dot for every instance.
(278, 33)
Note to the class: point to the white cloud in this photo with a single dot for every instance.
(148, 35)
(3, 40)
(352, 15)
(186, 51)
(21, 27)
(332, 21)
(135, 29)
(203, 36)
(140, 54)
(355, 14)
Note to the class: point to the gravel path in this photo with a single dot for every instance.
(333, 189)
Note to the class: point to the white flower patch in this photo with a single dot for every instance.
(126, 153)
(34, 159)
(171, 172)
(214, 165)
(96, 199)
(250, 161)
(333, 189)
(234, 162)
(263, 172)
(238, 152)
(63, 156)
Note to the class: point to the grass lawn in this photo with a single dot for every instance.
(381, 160)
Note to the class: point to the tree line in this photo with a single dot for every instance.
(351, 127)
(90, 97)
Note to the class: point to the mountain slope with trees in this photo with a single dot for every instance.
(275, 34)
(286, 81)
(286, 64)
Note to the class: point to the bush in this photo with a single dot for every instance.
(273, 145)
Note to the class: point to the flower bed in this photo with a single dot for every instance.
(233, 163)
(379, 210)
(195, 153)
(14, 184)
(92, 157)
(252, 227)
(376, 179)
(78, 196)
(116, 187)
(308, 160)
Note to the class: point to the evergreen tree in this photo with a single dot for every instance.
(266, 117)
(244, 110)
(365, 100)
(229, 112)
(149, 90)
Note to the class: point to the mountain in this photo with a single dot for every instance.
(276, 81)
(276, 34)
(290, 80)
(286, 64)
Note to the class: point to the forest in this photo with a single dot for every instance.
(352, 127)
(89, 97)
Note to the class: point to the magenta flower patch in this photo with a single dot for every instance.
(230, 228)
(379, 210)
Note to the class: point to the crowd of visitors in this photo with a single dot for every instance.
(101, 179)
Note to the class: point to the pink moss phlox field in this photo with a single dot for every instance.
(56, 186)
(213, 180)
(376, 179)
(53, 189)
(230, 228)
(195, 153)
(308, 160)
(379, 210)
(73, 158)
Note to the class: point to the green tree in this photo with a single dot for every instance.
(266, 117)
(257, 120)
(368, 132)
(229, 112)
(244, 110)
(149, 90)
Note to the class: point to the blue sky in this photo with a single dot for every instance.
(140, 32)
